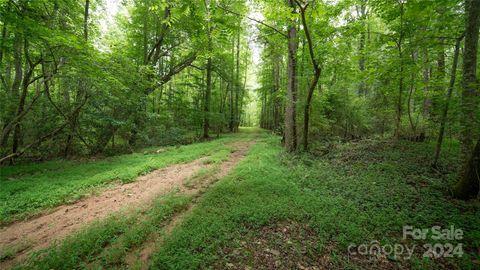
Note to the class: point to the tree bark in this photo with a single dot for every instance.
(290, 111)
(237, 83)
(409, 101)
(208, 92)
(29, 67)
(467, 187)
(306, 116)
(17, 81)
(2, 42)
(314, 80)
(85, 20)
(470, 85)
(451, 85)
(362, 11)
(208, 87)
(400, 82)
(426, 88)
(276, 87)
(232, 90)
(81, 92)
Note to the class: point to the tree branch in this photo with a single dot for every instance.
(174, 70)
(41, 139)
(307, 34)
(255, 20)
(159, 42)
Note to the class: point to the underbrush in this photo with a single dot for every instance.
(357, 194)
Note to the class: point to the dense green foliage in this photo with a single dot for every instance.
(357, 44)
(373, 68)
(73, 86)
(171, 72)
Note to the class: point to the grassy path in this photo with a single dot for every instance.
(277, 211)
(186, 181)
(27, 190)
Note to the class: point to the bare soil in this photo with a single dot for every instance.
(139, 257)
(27, 236)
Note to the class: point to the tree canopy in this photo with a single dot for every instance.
(76, 83)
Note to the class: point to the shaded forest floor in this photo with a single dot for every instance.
(247, 205)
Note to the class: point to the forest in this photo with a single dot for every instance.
(239, 134)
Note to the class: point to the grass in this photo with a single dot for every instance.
(106, 243)
(26, 190)
(219, 156)
(279, 211)
(357, 194)
(201, 176)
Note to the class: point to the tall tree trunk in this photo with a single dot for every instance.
(467, 187)
(85, 20)
(208, 92)
(242, 93)
(400, 82)
(29, 67)
(426, 82)
(410, 95)
(17, 81)
(290, 111)
(399, 102)
(451, 85)
(145, 36)
(409, 105)
(80, 92)
(306, 114)
(276, 87)
(469, 184)
(237, 89)
(440, 78)
(2, 42)
(362, 11)
(314, 80)
(208, 88)
(17, 59)
(231, 123)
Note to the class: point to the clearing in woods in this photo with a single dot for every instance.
(21, 238)
(238, 202)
